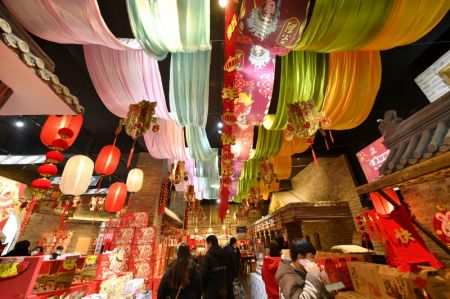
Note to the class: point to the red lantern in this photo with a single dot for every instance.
(54, 157)
(47, 170)
(53, 124)
(107, 160)
(41, 184)
(115, 199)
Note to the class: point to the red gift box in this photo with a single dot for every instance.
(142, 253)
(145, 235)
(142, 270)
(134, 219)
(123, 235)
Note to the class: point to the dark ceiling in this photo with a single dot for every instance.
(398, 91)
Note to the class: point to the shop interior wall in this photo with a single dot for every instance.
(325, 234)
(423, 200)
(40, 224)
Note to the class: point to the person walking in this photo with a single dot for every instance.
(182, 279)
(269, 269)
(233, 265)
(214, 270)
(299, 278)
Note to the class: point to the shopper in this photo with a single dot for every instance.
(58, 252)
(233, 265)
(39, 250)
(299, 277)
(182, 279)
(214, 270)
(20, 249)
(194, 256)
(269, 269)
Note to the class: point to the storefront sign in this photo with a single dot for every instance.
(371, 158)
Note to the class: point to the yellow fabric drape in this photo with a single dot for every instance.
(408, 21)
(340, 25)
(282, 166)
(295, 146)
(353, 82)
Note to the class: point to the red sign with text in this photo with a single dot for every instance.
(371, 158)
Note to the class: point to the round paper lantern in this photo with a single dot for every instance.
(76, 176)
(107, 160)
(47, 170)
(41, 184)
(135, 179)
(53, 125)
(115, 199)
(54, 157)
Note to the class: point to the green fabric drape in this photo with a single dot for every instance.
(303, 77)
(339, 25)
(248, 178)
(163, 26)
(268, 143)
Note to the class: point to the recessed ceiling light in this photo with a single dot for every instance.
(223, 3)
(220, 131)
(219, 124)
(19, 123)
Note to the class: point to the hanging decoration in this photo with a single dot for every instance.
(441, 224)
(140, 119)
(135, 179)
(304, 120)
(116, 197)
(267, 174)
(178, 173)
(189, 196)
(163, 195)
(97, 204)
(107, 160)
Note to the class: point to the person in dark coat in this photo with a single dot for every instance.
(182, 279)
(214, 271)
(194, 256)
(233, 265)
(20, 249)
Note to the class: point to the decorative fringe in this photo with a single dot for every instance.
(326, 143)
(331, 136)
(316, 163)
(131, 154)
(99, 183)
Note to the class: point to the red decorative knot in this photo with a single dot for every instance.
(59, 144)
(186, 178)
(309, 140)
(47, 170)
(155, 128)
(54, 157)
(357, 217)
(65, 133)
(359, 222)
(41, 184)
(362, 228)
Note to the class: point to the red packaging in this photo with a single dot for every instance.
(102, 266)
(123, 235)
(134, 219)
(142, 270)
(144, 235)
(142, 253)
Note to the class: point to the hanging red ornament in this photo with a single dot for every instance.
(41, 184)
(65, 133)
(59, 144)
(54, 157)
(155, 128)
(107, 160)
(115, 199)
(47, 170)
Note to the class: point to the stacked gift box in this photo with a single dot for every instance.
(137, 240)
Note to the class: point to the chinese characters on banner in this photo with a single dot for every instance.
(371, 158)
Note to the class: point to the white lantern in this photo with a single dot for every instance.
(135, 179)
(77, 175)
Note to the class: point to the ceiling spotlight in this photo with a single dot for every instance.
(19, 123)
(223, 3)
(220, 131)
(218, 200)
(220, 125)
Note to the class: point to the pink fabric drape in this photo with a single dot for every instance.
(168, 142)
(122, 78)
(66, 22)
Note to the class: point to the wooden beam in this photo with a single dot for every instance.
(431, 169)
(5, 93)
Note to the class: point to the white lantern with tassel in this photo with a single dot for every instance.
(76, 176)
(134, 180)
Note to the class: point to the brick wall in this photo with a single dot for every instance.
(40, 224)
(423, 199)
(330, 232)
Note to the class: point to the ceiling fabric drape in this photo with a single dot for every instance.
(67, 22)
(163, 26)
(168, 142)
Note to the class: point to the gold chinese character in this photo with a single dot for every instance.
(404, 236)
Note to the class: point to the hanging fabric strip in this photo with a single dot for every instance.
(198, 143)
(163, 26)
(122, 78)
(303, 78)
(168, 142)
(67, 22)
(353, 82)
(268, 143)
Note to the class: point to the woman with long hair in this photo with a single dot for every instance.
(181, 280)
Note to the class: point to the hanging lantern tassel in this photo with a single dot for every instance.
(131, 153)
(331, 136)
(316, 162)
(28, 214)
(326, 143)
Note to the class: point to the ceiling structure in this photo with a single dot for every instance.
(398, 91)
